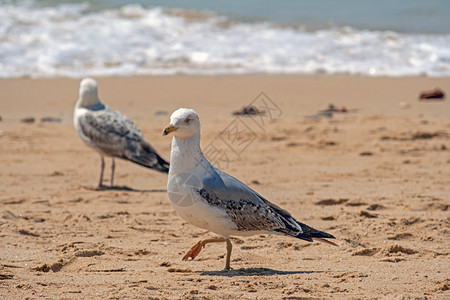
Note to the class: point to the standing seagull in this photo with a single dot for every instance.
(111, 133)
(213, 200)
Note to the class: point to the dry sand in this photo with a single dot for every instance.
(378, 178)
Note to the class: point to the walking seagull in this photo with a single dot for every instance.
(111, 133)
(213, 200)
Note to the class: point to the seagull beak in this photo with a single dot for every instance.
(170, 129)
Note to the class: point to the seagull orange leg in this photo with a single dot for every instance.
(195, 250)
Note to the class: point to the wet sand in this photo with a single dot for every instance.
(377, 177)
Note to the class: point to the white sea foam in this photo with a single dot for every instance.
(76, 40)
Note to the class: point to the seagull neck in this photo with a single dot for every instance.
(95, 107)
(89, 101)
(186, 153)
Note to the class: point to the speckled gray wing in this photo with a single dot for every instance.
(250, 211)
(116, 135)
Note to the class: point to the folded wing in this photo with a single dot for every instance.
(115, 135)
(250, 211)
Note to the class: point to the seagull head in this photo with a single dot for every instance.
(184, 123)
(88, 93)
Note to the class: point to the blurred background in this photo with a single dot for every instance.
(123, 38)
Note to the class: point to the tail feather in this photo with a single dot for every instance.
(294, 228)
(326, 241)
(310, 234)
(162, 166)
(159, 165)
(144, 155)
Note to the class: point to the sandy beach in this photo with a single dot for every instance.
(377, 177)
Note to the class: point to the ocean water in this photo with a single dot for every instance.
(123, 38)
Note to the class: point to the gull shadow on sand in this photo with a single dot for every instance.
(254, 272)
(123, 188)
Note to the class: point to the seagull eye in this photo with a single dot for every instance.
(187, 121)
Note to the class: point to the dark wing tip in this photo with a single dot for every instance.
(159, 165)
(324, 235)
(163, 166)
(313, 234)
(310, 233)
(145, 155)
